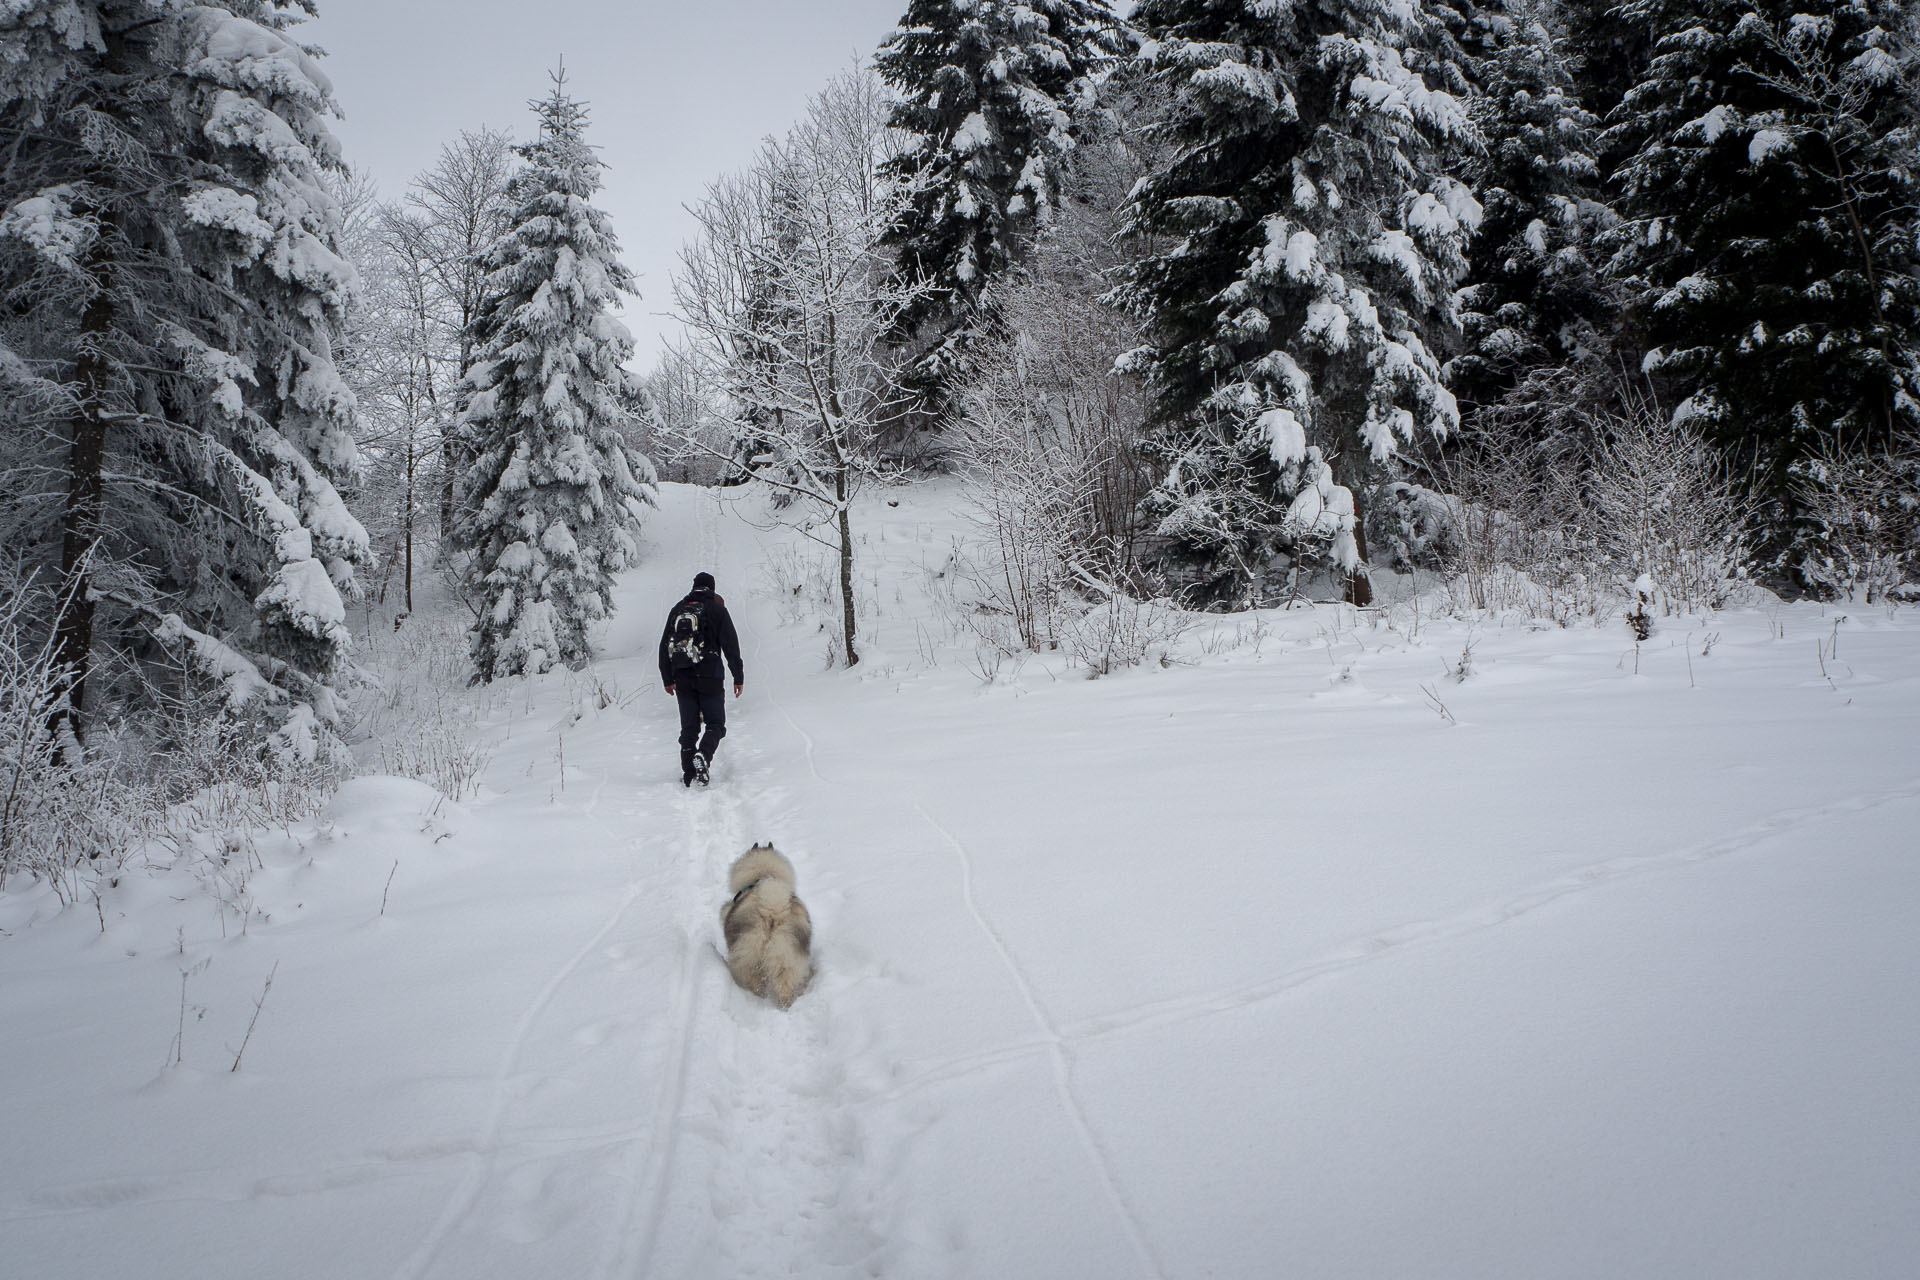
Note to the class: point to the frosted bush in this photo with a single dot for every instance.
(418, 709)
(1665, 508)
(801, 585)
(185, 780)
(1124, 632)
(1867, 509)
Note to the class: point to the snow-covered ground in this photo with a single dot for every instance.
(1253, 965)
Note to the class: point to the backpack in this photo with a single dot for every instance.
(686, 635)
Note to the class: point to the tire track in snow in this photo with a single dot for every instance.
(1055, 1045)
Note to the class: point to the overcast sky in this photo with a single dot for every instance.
(680, 91)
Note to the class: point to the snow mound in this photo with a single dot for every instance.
(374, 806)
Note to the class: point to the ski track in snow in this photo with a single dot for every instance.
(635, 1231)
(751, 1093)
(740, 1142)
(1382, 943)
(1057, 1049)
(626, 1254)
(746, 1093)
(483, 1167)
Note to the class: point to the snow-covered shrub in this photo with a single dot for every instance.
(1665, 506)
(1640, 606)
(1026, 504)
(440, 752)
(800, 583)
(417, 708)
(1567, 530)
(64, 813)
(1519, 538)
(1868, 512)
(1048, 440)
(1414, 524)
(186, 774)
(1123, 632)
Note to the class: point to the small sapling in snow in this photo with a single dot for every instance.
(254, 1020)
(1433, 700)
(1463, 667)
(1640, 612)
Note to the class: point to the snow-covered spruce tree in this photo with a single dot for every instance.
(1613, 48)
(171, 293)
(987, 96)
(1315, 241)
(1773, 236)
(555, 496)
(1537, 301)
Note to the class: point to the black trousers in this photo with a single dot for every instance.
(697, 705)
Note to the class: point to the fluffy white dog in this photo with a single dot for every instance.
(769, 933)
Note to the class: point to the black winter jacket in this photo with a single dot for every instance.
(708, 676)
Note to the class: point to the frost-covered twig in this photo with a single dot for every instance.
(257, 1006)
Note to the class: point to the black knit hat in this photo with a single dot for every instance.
(703, 579)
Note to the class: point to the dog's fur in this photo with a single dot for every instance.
(769, 933)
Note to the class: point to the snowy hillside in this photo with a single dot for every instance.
(1346, 945)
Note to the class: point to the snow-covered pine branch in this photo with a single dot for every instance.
(166, 218)
(1314, 237)
(990, 97)
(1772, 240)
(1537, 305)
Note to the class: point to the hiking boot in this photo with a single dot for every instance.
(699, 769)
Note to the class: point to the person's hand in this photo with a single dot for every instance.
(737, 688)
(669, 690)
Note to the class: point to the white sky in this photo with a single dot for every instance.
(679, 92)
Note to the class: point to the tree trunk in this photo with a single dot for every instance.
(80, 520)
(1359, 583)
(450, 463)
(406, 520)
(846, 564)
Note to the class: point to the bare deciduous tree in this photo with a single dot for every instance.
(461, 208)
(789, 297)
(687, 430)
(1050, 435)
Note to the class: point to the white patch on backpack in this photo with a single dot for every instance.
(686, 642)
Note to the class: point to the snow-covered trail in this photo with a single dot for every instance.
(1253, 965)
(735, 1153)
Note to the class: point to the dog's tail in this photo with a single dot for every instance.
(763, 862)
(785, 965)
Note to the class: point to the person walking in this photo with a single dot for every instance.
(698, 635)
